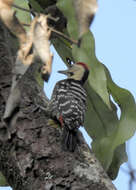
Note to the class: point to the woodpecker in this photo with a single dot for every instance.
(68, 103)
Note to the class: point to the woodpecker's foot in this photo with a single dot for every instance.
(61, 120)
(53, 123)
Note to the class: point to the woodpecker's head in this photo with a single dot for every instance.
(78, 71)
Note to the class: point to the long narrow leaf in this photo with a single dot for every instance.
(109, 134)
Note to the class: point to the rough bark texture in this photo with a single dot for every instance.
(30, 149)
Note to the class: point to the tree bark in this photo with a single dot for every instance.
(30, 147)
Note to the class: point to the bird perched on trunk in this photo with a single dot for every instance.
(68, 103)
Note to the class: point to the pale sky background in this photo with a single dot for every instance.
(114, 29)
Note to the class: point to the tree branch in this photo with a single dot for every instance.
(30, 147)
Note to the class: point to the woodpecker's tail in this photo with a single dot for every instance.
(69, 139)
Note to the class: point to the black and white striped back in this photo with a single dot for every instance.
(69, 101)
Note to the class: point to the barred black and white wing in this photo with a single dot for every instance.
(69, 101)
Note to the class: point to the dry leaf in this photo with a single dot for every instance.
(85, 11)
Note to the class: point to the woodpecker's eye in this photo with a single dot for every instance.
(69, 61)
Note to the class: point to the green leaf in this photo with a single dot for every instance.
(97, 78)
(67, 8)
(108, 132)
(63, 49)
(36, 6)
(23, 16)
(126, 126)
(3, 181)
(38, 77)
(118, 158)
(86, 53)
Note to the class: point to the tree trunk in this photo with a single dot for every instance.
(30, 147)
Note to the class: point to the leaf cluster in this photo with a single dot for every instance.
(109, 133)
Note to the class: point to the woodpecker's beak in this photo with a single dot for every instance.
(65, 72)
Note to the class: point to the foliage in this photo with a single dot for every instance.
(109, 133)
(23, 17)
(3, 181)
